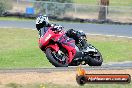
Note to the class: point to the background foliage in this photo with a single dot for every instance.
(4, 6)
(53, 9)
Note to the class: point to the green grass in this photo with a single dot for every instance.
(15, 18)
(85, 1)
(112, 2)
(113, 49)
(19, 49)
(51, 85)
(27, 19)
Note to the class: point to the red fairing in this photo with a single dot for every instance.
(54, 47)
(71, 52)
(44, 42)
(69, 45)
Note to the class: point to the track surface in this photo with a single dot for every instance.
(118, 30)
(107, 29)
(112, 66)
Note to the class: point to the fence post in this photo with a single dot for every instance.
(46, 9)
(103, 12)
(75, 9)
(106, 12)
(17, 2)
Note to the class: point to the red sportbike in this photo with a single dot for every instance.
(62, 51)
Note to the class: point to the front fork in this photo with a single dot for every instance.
(56, 49)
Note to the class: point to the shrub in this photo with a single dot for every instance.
(54, 9)
(4, 6)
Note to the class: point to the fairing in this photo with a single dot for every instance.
(66, 42)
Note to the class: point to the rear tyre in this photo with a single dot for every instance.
(95, 59)
(55, 59)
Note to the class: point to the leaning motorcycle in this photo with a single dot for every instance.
(62, 51)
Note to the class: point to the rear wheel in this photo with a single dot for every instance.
(95, 58)
(58, 59)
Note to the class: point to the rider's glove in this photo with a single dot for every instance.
(52, 25)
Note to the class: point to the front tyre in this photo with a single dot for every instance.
(58, 60)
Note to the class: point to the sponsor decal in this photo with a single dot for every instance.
(47, 37)
(82, 78)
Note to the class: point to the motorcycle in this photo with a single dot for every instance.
(62, 51)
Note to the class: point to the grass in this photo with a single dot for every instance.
(113, 48)
(15, 18)
(112, 2)
(50, 85)
(28, 19)
(19, 49)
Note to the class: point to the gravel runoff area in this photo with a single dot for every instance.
(61, 78)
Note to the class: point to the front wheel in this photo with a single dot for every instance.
(56, 59)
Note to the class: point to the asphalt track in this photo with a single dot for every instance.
(105, 29)
(108, 66)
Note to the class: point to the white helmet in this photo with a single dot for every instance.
(42, 19)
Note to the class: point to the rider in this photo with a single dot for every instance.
(43, 22)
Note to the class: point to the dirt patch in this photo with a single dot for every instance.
(64, 77)
(34, 77)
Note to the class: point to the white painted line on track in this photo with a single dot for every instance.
(110, 35)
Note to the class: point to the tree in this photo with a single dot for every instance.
(103, 10)
(4, 6)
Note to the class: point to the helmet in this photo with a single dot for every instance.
(41, 21)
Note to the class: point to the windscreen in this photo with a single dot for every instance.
(42, 31)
